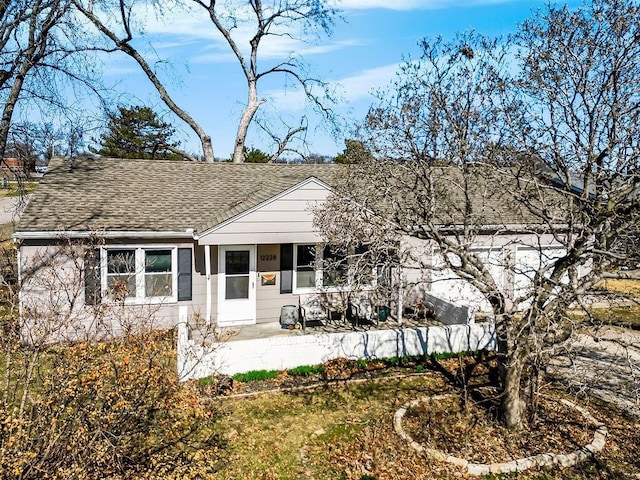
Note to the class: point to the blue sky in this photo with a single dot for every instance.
(362, 55)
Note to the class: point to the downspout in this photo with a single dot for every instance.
(207, 267)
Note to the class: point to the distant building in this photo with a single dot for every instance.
(13, 163)
(11, 166)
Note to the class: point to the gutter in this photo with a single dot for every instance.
(189, 233)
(506, 228)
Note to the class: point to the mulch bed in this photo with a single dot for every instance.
(472, 431)
(336, 371)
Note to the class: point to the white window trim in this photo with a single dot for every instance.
(140, 298)
(319, 275)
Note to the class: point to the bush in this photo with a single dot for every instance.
(103, 409)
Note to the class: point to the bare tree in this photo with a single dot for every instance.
(292, 19)
(28, 33)
(485, 150)
(43, 55)
(114, 21)
(273, 18)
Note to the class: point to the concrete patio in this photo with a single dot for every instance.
(274, 329)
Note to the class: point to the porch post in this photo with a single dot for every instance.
(207, 269)
(400, 295)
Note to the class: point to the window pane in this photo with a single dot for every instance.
(157, 261)
(121, 286)
(121, 278)
(237, 287)
(306, 256)
(121, 261)
(306, 279)
(237, 263)
(305, 266)
(158, 285)
(334, 267)
(362, 265)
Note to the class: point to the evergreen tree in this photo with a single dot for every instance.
(254, 155)
(355, 152)
(137, 132)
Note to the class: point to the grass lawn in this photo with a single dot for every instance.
(628, 287)
(344, 431)
(13, 191)
(623, 316)
(6, 230)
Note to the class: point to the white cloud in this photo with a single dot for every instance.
(272, 48)
(360, 86)
(353, 88)
(193, 25)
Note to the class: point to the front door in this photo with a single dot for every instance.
(237, 285)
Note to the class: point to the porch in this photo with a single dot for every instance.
(274, 329)
(268, 346)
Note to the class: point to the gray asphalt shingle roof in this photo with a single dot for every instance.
(85, 195)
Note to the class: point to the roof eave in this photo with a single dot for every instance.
(133, 234)
(509, 227)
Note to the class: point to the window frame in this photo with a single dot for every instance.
(294, 282)
(320, 273)
(140, 274)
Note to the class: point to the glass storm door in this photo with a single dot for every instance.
(237, 284)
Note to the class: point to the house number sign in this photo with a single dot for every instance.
(268, 258)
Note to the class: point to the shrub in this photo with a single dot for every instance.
(102, 409)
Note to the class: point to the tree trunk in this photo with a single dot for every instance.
(124, 46)
(9, 107)
(512, 408)
(247, 115)
(207, 148)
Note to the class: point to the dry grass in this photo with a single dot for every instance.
(345, 432)
(624, 316)
(292, 436)
(627, 287)
(6, 230)
(12, 190)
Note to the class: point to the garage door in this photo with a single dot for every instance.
(448, 286)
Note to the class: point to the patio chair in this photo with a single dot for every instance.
(313, 312)
(361, 312)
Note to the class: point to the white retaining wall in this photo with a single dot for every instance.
(282, 352)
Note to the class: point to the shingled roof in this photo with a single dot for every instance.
(122, 195)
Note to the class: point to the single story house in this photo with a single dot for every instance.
(233, 243)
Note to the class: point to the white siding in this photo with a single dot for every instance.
(528, 261)
(53, 299)
(510, 259)
(198, 304)
(287, 218)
